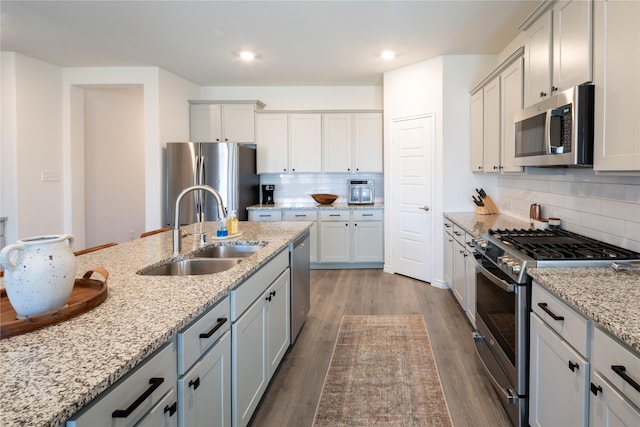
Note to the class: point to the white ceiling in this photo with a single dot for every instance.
(296, 42)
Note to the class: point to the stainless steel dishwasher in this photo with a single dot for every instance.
(300, 283)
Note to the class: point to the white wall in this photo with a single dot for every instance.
(31, 144)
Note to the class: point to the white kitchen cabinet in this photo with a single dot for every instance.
(459, 274)
(265, 215)
(449, 247)
(335, 236)
(477, 131)
(354, 237)
(163, 414)
(211, 121)
(558, 48)
(511, 101)
(272, 143)
(352, 142)
(307, 215)
(470, 280)
(460, 268)
(617, 86)
(137, 396)
(260, 313)
(305, 143)
(559, 366)
(615, 382)
(491, 126)
(367, 236)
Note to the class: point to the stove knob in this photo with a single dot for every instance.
(483, 244)
(516, 268)
(502, 260)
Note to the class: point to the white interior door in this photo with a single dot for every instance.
(411, 188)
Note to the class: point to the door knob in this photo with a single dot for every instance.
(424, 208)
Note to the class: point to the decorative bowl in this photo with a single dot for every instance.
(324, 199)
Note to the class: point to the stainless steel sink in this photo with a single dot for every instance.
(192, 267)
(209, 260)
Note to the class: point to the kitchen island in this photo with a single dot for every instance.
(48, 375)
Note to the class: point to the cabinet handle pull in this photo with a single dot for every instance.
(457, 233)
(265, 216)
(367, 214)
(268, 298)
(272, 293)
(543, 94)
(124, 413)
(171, 409)
(620, 370)
(543, 306)
(334, 214)
(195, 383)
(301, 216)
(221, 321)
(595, 389)
(573, 366)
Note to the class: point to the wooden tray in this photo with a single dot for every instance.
(87, 294)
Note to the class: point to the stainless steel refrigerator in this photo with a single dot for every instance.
(228, 167)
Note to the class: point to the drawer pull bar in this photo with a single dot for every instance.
(621, 370)
(595, 389)
(573, 366)
(334, 214)
(543, 306)
(124, 413)
(221, 321)
(171, 409)
(367, 214)
(195, 383)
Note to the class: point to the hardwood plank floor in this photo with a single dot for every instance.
(295, 390)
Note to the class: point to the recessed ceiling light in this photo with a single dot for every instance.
(247, 56)
(388, 55)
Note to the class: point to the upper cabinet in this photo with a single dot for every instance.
(212, 121)
(272, 141)
(493, 105)
(352, 142)
(558, 50)
(305, 142)
(617, 86)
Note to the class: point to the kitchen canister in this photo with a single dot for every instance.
(39, 273)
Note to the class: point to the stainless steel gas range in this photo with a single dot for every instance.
(504, 299)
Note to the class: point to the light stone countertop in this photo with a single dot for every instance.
(302, 205)
(48, 375)
(610, 298)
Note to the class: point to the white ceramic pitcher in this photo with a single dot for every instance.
(42, 276)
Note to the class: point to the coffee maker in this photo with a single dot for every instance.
(267, 194)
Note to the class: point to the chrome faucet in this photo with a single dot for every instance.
(177, 239)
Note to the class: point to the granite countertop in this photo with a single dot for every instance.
(608, 297)
(302, 205)
(48, 375)
(477, 224)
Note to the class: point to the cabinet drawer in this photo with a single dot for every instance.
(459, 234)
(609, 353)
(246, 293)
(142, 381)
(571, 326)
(265, 215)
(196, 339)
(335, 215)
(448, 225)
(301, 215)
(367, 215)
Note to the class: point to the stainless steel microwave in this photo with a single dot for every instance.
(557, 131)
(360, 191)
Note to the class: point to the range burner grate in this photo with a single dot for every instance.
(560, 245)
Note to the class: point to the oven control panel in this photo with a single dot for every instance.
(501, 257)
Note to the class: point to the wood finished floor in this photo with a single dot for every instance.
(295, 389)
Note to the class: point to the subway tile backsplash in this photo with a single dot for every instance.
(297, 188)
(606, 208)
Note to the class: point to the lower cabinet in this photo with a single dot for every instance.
(145, 396)
(260, 312)
(609, 407)
(351, 236)
(310, 216)
(460, 267)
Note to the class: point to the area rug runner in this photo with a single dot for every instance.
(382, 373)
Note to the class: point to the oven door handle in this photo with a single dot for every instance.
(507, 287)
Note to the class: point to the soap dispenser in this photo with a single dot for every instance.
(232, 223)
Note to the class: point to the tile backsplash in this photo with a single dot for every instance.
(297, 188)
(602, 207)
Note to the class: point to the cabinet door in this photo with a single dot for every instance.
(337, 137)
(272, 143)
(537, 77)
(205, 390)
(335, 245)
(470, 286)
(238, 123)
(617, 85)
(559, 378)
(367, 241)
(448, 258)
(305, 142)
(477, 132)
(249, 371)
(205, 122)
(458, 275)
(511, 94)
(278, 297)
(164, 414)
(608, 408)
(572, 44)
(367, 142)
(491, 106)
